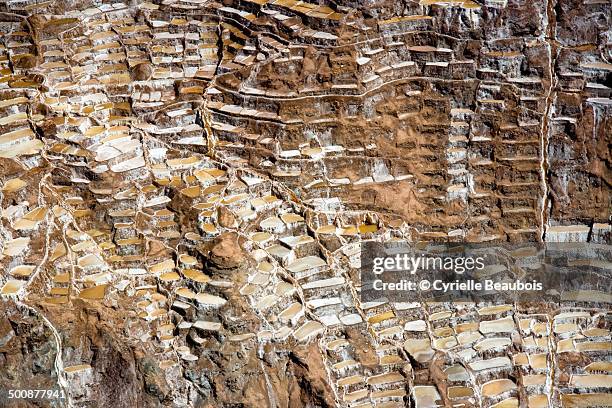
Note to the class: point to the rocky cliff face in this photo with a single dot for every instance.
(184, 186)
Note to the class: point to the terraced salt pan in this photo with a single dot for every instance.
(324, 283)
(426, 396)
(308, 330)
(16, 246)
(496, 387)
(208, 299)
(22, 271)
(420, 349)
(511, 402)
(498, 326)
(207, 326)
(12, 286)
(306, 263)
(492, 343)
(496, 362)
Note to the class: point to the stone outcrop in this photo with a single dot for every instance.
(226, 253)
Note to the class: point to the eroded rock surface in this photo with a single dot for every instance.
(226, 253)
